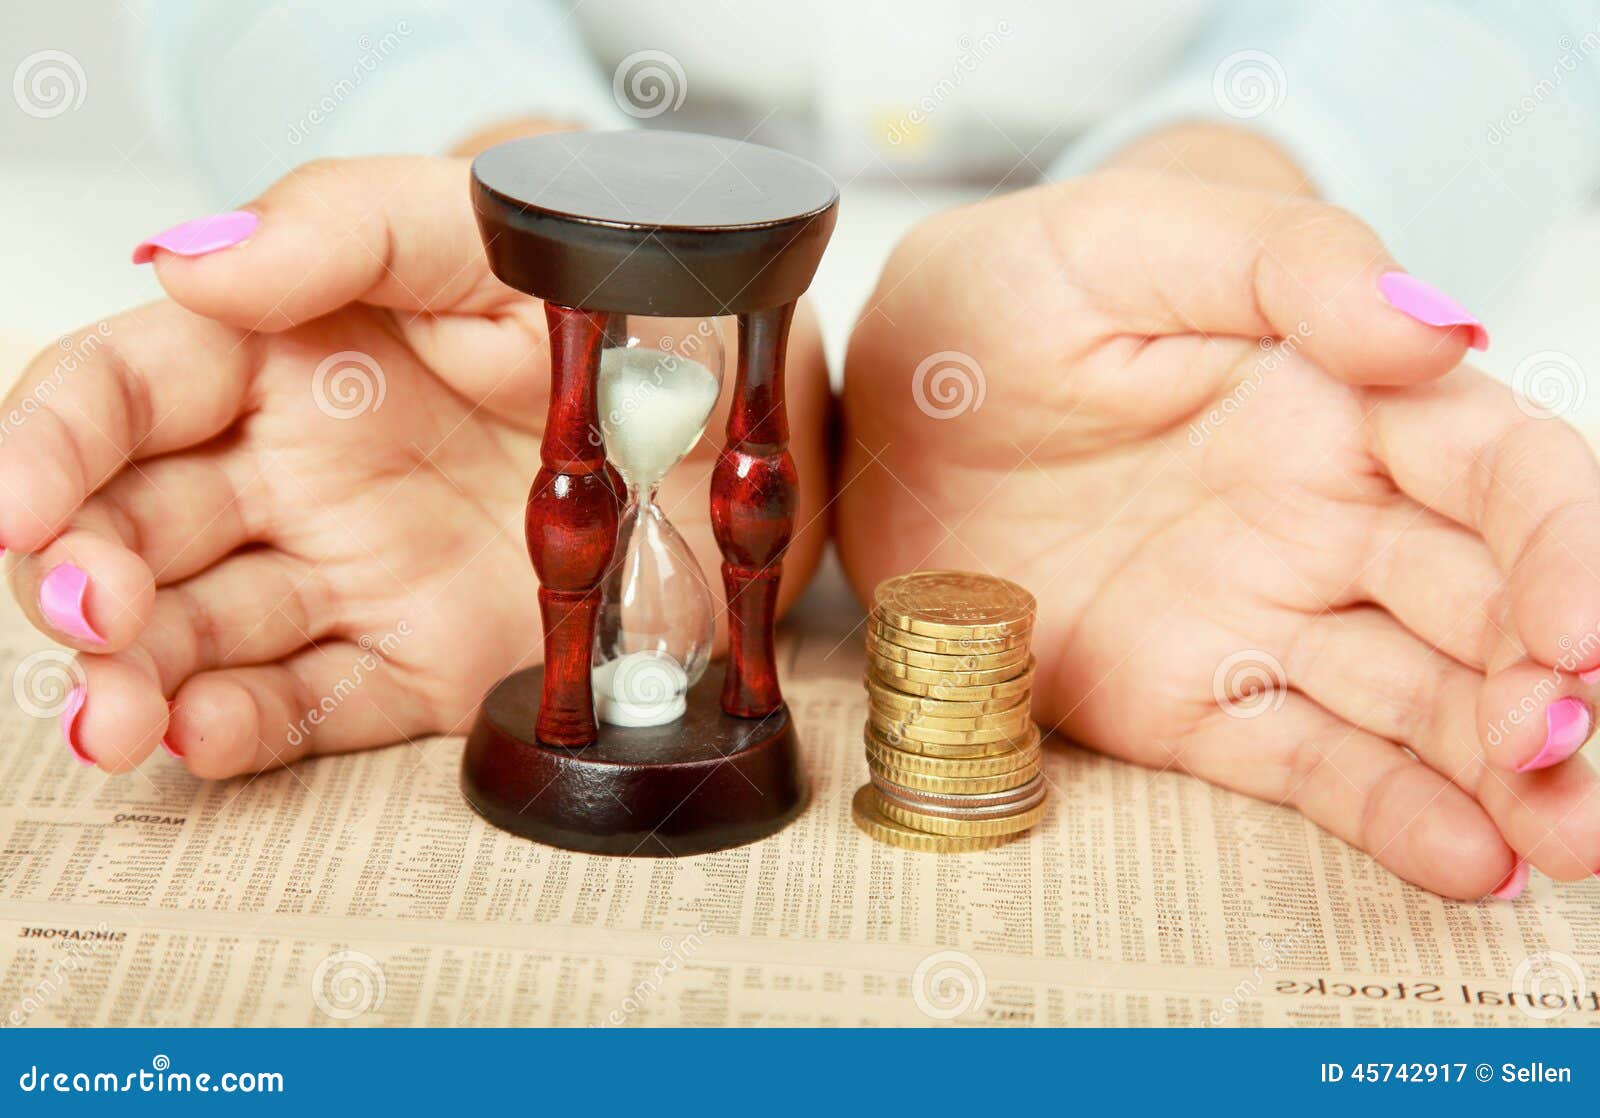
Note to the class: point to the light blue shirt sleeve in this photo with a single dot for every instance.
(246, 90)
(1459, 130)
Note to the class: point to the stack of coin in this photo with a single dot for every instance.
(952, 749)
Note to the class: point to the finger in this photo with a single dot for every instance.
(1365, 668)
(145, 383)
(86, 590)
(1224, 261)
(180, 513)
(118, 716)
(1435, 577)
(1529, 487)
(329, 699)
(253, 608)
(1360, 788)
(391, 231)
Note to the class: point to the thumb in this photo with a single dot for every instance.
(1175, 256)
(390, 231)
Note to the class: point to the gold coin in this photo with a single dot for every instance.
(967, 805)
(918, 729)
(966, 828)
(935, 661)
(959, 785)
(894, 670)
(881, 755)
(886, 698)
(982, 645)
(954, 604)
(954, 692)
(878, 826)
(1010, 721)
(940, 748)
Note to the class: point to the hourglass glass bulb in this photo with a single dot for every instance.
(653, 640)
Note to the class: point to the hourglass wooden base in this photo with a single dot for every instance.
(705, 782)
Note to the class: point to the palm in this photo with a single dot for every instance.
(1234, 570)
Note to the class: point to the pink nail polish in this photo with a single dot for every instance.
(200, 236)
(1566, 728)
(69, 722)
(1426, 303)
(61, 598)
(1514, 884)
(166, 742)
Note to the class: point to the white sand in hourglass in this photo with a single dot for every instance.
(653, 409)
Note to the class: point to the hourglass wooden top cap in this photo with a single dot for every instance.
(662, 223)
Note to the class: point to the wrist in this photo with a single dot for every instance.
(486, 138)
(1217, 153)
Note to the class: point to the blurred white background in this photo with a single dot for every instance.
(79, 188)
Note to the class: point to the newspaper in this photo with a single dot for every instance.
(361, 890)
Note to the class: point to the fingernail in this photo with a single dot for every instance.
(165, 742)
(200, 236)
(1590, 676)
(1566, 727)
(61, 596)
(1426, 303)
(1511, 888)
(69, 722)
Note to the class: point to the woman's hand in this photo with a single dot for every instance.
(292, 496)
(1279, 538)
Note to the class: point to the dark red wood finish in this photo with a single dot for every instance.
(706, 782)
(571, 525)
(754, 488)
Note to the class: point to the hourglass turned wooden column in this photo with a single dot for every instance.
(600, 226)
(753, 492)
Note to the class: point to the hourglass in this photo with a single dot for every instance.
(622, 742)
